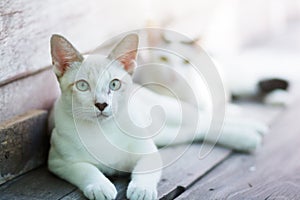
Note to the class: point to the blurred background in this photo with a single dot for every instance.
(255, 35)
(254, 32)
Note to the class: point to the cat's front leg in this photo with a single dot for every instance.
(144, 179)
(85, 176)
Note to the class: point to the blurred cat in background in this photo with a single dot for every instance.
(272, 90)
(174, 70)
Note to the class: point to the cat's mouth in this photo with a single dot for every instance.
(102, 115)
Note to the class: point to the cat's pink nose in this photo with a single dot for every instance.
(101, 106)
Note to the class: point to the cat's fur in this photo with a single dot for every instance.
(87, 144)
(236, 83)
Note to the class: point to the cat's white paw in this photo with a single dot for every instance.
(258, 126)
(141, 191)
(249, 125)
(278, 98)
(106, 191)
(249, 141)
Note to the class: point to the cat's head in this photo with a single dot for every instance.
(95, 86)
(169, 42)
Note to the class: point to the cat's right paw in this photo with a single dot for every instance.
(141, 191)
(97, 191)
(247, 141)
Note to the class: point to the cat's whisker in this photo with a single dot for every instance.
(81, 107)
(83, 112)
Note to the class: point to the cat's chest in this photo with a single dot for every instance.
(105, 146)
(102, 143)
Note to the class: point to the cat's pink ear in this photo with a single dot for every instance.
(63, 54)
(126, 51)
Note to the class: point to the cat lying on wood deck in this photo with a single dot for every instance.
(101, 123)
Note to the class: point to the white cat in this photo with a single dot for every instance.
(101, 123)
(237, 81)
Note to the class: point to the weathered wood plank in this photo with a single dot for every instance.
(23, 144)
(120, 183)
(187, 168)
(35, 185)
(35, 92)
(271, 173)
(26, 26)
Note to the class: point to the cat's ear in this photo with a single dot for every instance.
(126, 51)
(63, 54)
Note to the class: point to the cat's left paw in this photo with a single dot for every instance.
(260, 127)
(278, 98)
(141, 191)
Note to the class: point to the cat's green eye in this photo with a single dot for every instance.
(185, 61)
(82, 85)
(164, 59)
(115, 84)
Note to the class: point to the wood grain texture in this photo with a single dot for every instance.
(185, 170)
(120, 184)
(26, 27)
(36, 185)
(271, 173)
(35, 92)
(41, 184)
(23, 144)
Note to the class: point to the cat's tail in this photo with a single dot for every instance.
(273, 91)
(269, 85)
